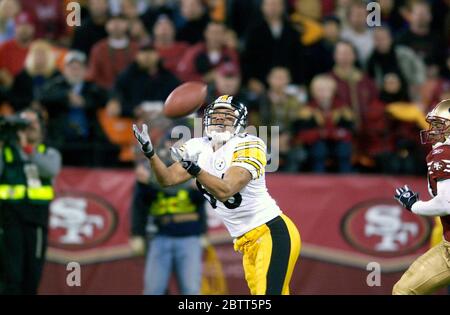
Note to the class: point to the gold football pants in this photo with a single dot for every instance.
(270, 252)
(428, 273)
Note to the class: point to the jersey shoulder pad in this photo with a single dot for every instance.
(248, 139)
(250, 152)
(440, 153)
(438, 163)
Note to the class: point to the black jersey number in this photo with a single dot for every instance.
(231, 203)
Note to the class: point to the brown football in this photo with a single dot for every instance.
(185, 99)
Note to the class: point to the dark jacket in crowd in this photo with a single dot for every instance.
(429, 47)
(87, 35)
(75, 130)
(192, 31)
(319, 59)
(55, 98)
(263, 52)
(27, 88)
(135, 86)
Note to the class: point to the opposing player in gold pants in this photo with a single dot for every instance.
(431, 271)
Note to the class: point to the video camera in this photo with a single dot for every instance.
(10, 125)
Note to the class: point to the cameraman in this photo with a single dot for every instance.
(27, 170)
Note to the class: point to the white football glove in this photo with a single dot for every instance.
(188, 159)
(183, 154)
(144, 139)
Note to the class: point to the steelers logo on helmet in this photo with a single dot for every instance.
(224, 118)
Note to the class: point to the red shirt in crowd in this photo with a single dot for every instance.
(334, 124)
(196, 62)
(50, 17)
(360, 92)
(172, 55)
(106, 63)
(12, 56)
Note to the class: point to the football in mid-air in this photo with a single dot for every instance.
(185, 99)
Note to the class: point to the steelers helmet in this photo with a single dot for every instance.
(439, 120)
(238, 112)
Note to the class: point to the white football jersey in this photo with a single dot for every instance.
(252, 206)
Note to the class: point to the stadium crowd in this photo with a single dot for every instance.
(346, 96)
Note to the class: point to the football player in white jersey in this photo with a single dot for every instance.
(229, 169)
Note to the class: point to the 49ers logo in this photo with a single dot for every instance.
(382, 227)
(80, 220)
(438, 166)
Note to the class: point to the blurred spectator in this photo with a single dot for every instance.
(194, 20)
(446, 25)
(14, 52)
(272, 42)
(393, 89)
(155, 9)
(170, 51)
(355, 88)
(327, 7)
(110, 56)
(309, 8)
(279, 107)
(178, 220)
(436, 88)
(139, 33)
(137, 29)
(342, 9)
(50, 18)
(142, 85)
(401, 60)
(320, 55)
(391, 14)
(232, 40)
(241, 15)
(325, 127)
(118, 6)
(130, 9)
(357, 31)
(420, 37)
(217, 10)
(72, 104)
(92, 30)
(8, 10)
(39, 69)
(440, 11)
(405, 120)
(227, 81)
(201, 59)
(305, 17)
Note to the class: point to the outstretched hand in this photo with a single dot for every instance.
(144, 139)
